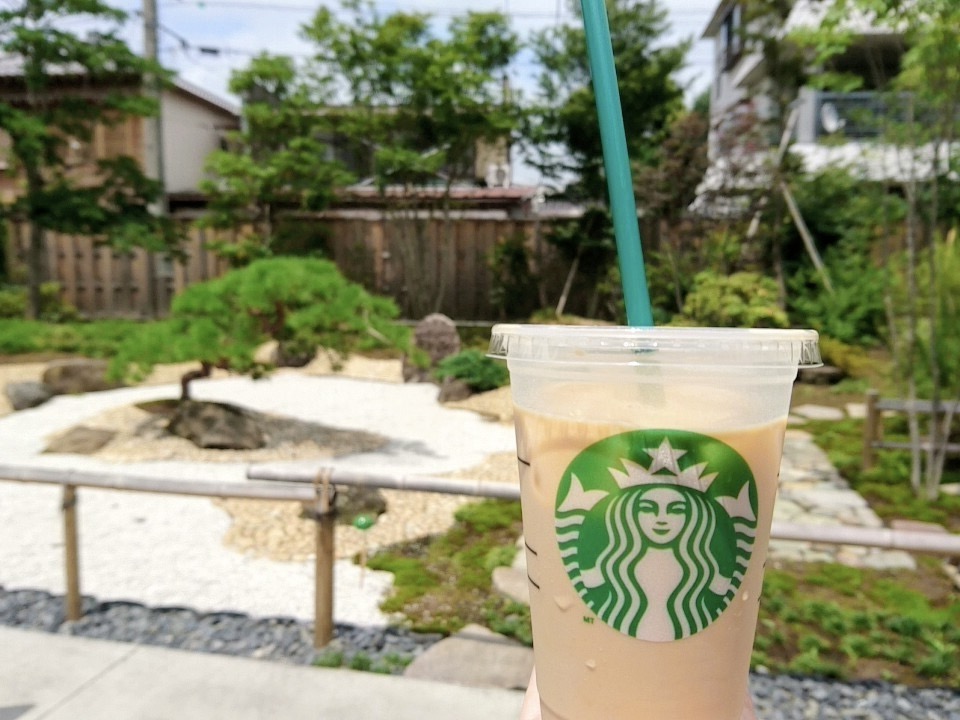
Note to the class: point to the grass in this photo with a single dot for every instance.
(98, 339)
(443, 583)
(854, 624)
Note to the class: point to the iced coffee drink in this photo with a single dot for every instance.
(648, 463)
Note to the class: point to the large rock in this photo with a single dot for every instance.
(216, 426)
(27, 394)
(437, 336)
(78, 375)
(476, 657)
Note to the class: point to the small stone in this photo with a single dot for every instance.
(27, 394)
(857, 411)
(80, 440)
(823, 375)
(512, 583)
(453, 390)
(819, 412)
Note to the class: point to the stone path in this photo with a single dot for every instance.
(813, 493)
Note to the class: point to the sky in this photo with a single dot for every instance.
(204, 40)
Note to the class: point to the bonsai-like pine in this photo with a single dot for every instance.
(304, 304)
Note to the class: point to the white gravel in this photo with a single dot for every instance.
(166, 550)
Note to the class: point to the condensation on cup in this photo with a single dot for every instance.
(648, 460)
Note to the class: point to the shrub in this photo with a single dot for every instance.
(302, 303)
(743, 299)
(479, 372)
(53, 308)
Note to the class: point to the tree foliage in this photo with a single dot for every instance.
(416, 103)
(279, 162)
(919, 132)
(303, 304)
(563, 129)
(103, 87)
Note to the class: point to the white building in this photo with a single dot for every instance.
(829, 128)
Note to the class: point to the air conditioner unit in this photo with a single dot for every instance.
(830, 119)
(498, 175)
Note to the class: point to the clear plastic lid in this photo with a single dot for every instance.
(739, 347)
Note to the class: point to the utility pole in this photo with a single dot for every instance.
(153, 135)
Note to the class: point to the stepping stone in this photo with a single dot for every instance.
(819, 412)
(512, 583)
(857, 411)
(80, 440)
(475, 657)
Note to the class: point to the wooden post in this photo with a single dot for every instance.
(324, 517)
(871, 426)
(71, 553)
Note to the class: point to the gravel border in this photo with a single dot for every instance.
(390, 650)
(283, 639)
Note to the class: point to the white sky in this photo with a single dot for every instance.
(203, 40)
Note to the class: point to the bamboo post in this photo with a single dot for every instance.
(871, 426)
(71, 553)
(324, 517)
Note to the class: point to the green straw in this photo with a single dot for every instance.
(623, 206)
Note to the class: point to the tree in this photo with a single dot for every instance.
(563, 127)
(665, 190)
(278, 163)
(920, 130)
(563, 133)
(416, 102)
(303, 304)
(47, 116)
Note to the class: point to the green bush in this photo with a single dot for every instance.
(13, 302)
(302, 303)
(53, 308)
(743, 299)
(479, 372)
(854, 312)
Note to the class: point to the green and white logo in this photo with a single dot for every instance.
(656, 529)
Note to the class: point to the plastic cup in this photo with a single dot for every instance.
(648, 463)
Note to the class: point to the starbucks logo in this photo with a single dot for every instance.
(656, 529)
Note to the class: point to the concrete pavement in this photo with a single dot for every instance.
(59, 677)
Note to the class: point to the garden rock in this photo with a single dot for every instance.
(437, 336)
(80, 440)
(476, 657)
(78, 375)
(453, 390)
(353, 501)
(216, 426)
(824, 375)
(27, 394)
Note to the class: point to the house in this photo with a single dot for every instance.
(99, 282)
(827, 128)
(194, 124)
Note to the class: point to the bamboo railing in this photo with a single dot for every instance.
(312, 486)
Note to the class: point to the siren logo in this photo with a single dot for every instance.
(656, 529)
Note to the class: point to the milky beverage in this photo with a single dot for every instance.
(647, 490)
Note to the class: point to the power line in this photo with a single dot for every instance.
(432, 10)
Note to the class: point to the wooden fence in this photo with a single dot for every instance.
(101, 282)
(424, 264)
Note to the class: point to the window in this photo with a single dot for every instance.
(731, 37)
